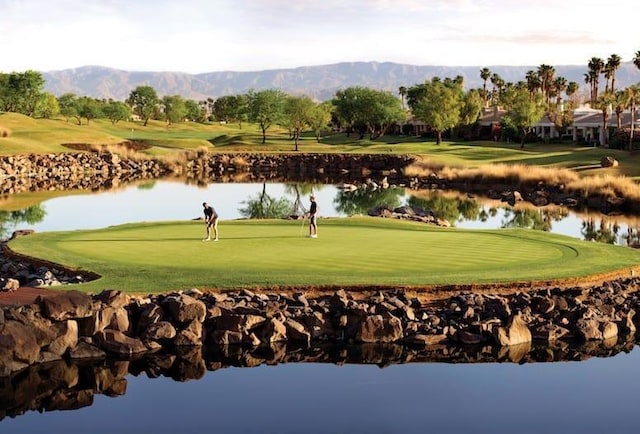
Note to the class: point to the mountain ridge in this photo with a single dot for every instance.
(320, 82)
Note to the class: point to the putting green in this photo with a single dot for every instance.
(156, 257)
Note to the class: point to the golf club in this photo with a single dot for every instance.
(304, 216)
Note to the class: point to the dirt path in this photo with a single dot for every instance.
(25, 295)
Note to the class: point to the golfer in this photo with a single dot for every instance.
(210, 221)
(313, 210)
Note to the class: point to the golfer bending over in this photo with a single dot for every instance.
(210, 221)
(313, 210)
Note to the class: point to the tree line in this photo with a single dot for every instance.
(441, 104)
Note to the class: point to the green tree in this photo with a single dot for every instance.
(20, 92)
(298, 113)
(320, 118)
(144, 101)
(194, 112)
(596, 66)
(116, 111)
(89, 108)
(471, 107)
(523, 110)
(68, 103)
(437, 104)
(47, 106)
(175, 109)
(267, 108)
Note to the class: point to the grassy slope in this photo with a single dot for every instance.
(41, 135)
(165, 256)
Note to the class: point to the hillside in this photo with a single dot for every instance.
(320, 82)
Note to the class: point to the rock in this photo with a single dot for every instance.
(297, 332)
(18, 343)
(516, 332)
(184, 308)
(9, 284)
(86, 351)
(66, 305)
(423, 339)
(160, 331)
(607, 161)
(225, 337)
(116, 342)
(469, 338)
(272, 331)
(588, 329)
(113, 298)
(67, 339)
(376, 328)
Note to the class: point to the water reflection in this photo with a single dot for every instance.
(66, 385)
(163, 200)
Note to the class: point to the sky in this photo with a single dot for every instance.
(197, 36)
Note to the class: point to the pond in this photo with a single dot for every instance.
(246, 394)
(166, 200)
(569, 395)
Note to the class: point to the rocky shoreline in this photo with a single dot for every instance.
(102, 170)
(77, 326)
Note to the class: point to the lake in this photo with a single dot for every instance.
(596, 395)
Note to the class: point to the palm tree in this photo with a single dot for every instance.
(559, 86)
(605, 103)
(620, 102)
(485, 74)
(596, 65)
(633, 98)
(533, 82)
(613, 64)
(546, 73)
(636, 59)
(403, 93)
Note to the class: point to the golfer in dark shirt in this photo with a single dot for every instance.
(313, 210)
(210, 221)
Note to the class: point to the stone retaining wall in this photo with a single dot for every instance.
(78, 326)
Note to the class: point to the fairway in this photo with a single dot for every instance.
(164, 256)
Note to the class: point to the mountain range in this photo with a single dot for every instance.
(319, 82)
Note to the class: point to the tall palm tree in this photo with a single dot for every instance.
(533, 82)
(633, 99)
(559, 86)
(636, 59)
(613, 64)
(596, 65)
(485, 74)
(546, 74)
(605, 103)
(403, 93)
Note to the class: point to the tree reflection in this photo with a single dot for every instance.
(264, 206)
(533, 218)
(603, 231)
(452, 209)
(10, 219)
(298, 191)
(361, 200)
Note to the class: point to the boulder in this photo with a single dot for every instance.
(116, 342)
(297, 332)
(67, 337)
(376, 328)
(66, 305)
(18, 343)
(160, 331)
(85, 350)
(184, 308)
(516, 332)
(608, 161)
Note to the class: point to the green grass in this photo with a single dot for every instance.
(158, 257)
(44, 135)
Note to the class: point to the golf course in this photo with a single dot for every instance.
(349, 252)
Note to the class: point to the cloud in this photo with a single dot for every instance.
(532, 39)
